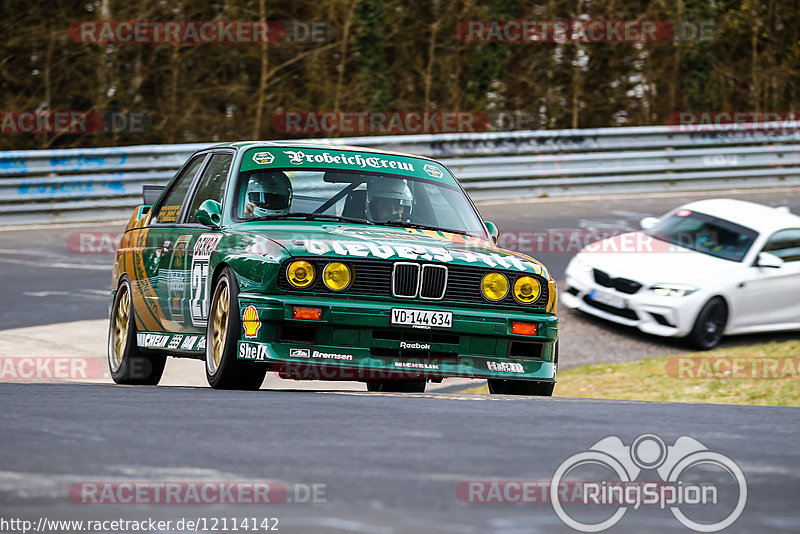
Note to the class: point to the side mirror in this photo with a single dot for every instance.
(765, 259)
(150, 194)
(648, 223)
(493, 231)
(210, 213)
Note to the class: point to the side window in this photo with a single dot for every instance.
(212, 184)
(171, 207)
(785, 244)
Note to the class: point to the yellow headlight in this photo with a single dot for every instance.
(527, 289)
(494, 286)
(300, 273)
(336, 276)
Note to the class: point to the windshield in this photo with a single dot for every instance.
(355, 196)
(704, 233)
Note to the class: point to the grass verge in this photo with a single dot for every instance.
(765, 375)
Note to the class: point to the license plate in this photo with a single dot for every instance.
(422, 318)
(607, 299)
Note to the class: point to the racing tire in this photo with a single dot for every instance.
(397, 386)
(709, 326)
(223, 369)
(500, 386)
(127, 364)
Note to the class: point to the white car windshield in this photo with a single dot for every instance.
(704, 233)
(365, 197)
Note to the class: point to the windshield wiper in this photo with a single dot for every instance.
(308, 216)
(422, 227)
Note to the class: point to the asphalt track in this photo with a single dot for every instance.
(388, 463)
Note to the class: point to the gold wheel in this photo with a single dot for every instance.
(220, 332)
(120, 336)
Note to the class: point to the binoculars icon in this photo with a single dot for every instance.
(648, 452)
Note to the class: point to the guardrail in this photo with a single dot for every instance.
(39, 186)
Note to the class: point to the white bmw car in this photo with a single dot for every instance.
(706, 269)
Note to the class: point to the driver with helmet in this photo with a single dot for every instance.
(389, 199)
(268, 193)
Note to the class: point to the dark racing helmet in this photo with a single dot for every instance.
(269, 192)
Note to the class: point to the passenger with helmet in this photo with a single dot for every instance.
(389, 199)
(268, 193)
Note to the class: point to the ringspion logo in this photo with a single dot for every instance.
(704, 490)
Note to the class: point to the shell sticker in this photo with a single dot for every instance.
(251, 322)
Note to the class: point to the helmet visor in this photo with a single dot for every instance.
(269, 201)
(390, 209)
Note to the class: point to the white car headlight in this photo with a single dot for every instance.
(672, 290)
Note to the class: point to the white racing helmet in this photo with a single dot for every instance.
(389, 199)
(269, 192)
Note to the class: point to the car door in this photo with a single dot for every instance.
(151, 242)
(771, 295)
(184, 263)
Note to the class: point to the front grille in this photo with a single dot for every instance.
(602, 278)
(626, 313)
(434, 282)
(373, 278)
(623, 285)
(405, 280)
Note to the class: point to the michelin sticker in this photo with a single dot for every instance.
(263, 158)
(182, 342)
(152, 341)
(416, 365)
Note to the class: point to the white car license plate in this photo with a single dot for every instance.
(422, 318)
(608, 299)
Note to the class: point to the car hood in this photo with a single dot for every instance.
(652, 261)
(309, 238)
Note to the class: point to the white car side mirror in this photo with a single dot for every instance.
(765, 259)
(648, 222)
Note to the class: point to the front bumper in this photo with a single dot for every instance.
(354, 340)
(650, 313)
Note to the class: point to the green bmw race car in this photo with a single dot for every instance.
(324, 262)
